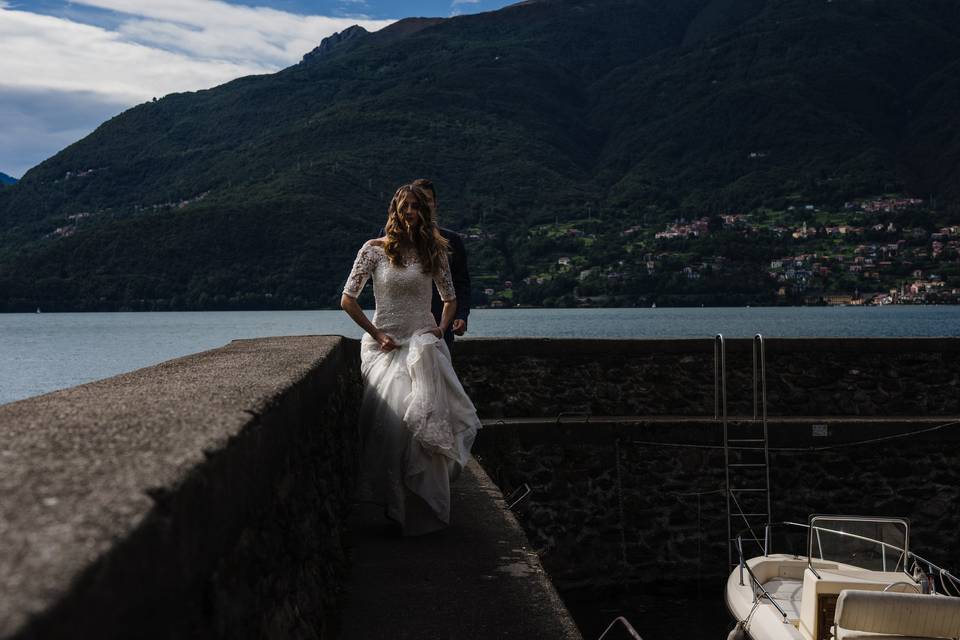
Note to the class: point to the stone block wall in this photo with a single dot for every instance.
(635, 493)
(646, 506)
(805, 376)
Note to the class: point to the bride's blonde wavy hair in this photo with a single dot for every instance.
(431, 247)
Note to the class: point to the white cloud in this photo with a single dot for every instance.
(169, 45)
(44, 52)
(215, 29)
(158, 47)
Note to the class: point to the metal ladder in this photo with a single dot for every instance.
(746, 452)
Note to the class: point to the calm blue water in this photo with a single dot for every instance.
(48, 351)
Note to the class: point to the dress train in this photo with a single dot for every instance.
(417, 429)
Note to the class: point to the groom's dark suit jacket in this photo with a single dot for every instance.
(461, 281)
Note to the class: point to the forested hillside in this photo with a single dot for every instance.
(596, 116)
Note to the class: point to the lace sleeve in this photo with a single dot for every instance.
(444, 282)
(363, 268)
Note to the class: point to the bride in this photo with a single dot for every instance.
(417, 424)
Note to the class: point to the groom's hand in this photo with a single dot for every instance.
(459, 327)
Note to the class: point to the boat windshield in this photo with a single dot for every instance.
(876, 544)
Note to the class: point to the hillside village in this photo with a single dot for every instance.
(881, 250)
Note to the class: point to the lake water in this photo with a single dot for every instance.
(48, 351)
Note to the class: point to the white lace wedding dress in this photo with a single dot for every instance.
(417, 424)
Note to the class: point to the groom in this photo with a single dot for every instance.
(458, 270)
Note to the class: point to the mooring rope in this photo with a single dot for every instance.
(840, 445)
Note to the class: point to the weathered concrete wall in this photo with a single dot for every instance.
(805, 377)
(202, 497)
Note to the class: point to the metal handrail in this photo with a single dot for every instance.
(720, 402)
(943, 572)
(899, 521)
(626, 624)
(719, 374)
(762, 379)
(749, 529)
(954, 583)
(917, 559)
(759, 349)
(524, 490)
(846, 534)
(580, 414)
(755, 583)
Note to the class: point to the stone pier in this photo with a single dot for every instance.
(209, 496)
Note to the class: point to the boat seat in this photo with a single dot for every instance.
(904, 616)
(787, 592)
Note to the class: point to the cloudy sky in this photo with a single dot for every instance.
(69, 65)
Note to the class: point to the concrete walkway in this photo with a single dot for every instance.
(478, 579)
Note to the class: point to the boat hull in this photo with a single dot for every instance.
(762, 620)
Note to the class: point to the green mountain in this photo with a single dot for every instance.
(257, 193)
(5, 179)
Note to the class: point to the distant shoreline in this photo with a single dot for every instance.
(514, 308)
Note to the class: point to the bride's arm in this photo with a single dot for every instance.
(363, 267)
(352, 307)
(449, 311)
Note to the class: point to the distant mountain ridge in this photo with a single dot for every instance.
(5, 179)
(338, 41)
(634, 111)
(349, 38)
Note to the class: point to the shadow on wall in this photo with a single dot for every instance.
(805, 376)
(637, 504)
(201, 497)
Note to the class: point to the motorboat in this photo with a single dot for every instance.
(856, 580)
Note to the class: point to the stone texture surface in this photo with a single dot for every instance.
(478, 579)
(206, 496)
(805, 376)
(623, 503)
(620, 500)
(195, 498)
